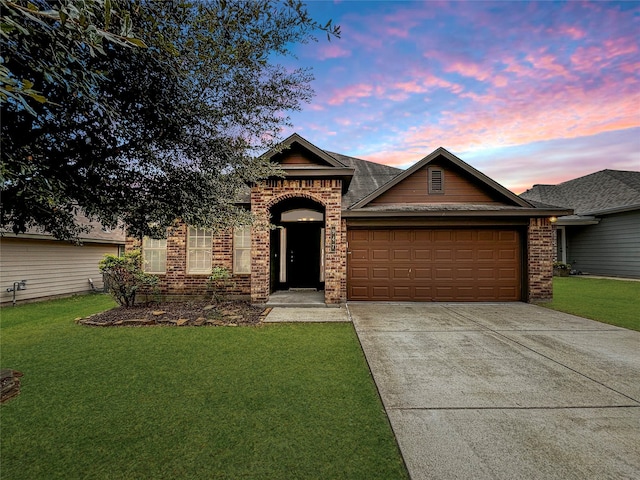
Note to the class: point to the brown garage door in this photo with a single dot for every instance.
(434, 265)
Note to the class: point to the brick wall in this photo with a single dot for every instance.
(327, 193)
(176, 280)
(540, 255)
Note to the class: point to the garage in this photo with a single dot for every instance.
(434, 265)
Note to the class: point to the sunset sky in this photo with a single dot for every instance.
(526, 92)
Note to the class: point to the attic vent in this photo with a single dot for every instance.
(436, 180)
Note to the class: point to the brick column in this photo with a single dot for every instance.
(540, 254)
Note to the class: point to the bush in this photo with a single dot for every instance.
(124, 276)
(220, 281)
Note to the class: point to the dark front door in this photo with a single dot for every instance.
(303, 255)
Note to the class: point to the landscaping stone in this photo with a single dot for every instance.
(10, 384)
(196, 313)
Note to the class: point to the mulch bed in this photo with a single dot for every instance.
(180, 314)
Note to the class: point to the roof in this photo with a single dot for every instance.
(366, 180)
(599, 193)
(367, 177)
(439, 153)
(97, 234)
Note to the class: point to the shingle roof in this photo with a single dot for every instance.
(97, 234)
(599, 192)
(367, 177)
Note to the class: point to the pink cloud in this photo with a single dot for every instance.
(572, 31)
(597, 57)
(350, 93)
(332, 51)
(545, 62)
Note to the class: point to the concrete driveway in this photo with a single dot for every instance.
(505, 391)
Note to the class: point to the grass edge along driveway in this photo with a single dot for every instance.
(278, 401)
(612, 301)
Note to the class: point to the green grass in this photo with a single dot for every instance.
(616, 302)
(279, 401)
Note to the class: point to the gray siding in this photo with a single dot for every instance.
(51, 268)
(611, 247)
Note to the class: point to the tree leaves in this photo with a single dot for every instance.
(143, 136)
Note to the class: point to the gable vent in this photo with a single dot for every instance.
(436, 180)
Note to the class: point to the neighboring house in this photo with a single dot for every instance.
(602, 237)
(52, 267)
(439, 231)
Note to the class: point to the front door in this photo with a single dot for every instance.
(303, 255)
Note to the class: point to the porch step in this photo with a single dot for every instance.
(297, 298)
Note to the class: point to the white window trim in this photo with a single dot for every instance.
(191, 250)
(246, 231)
(147, 248)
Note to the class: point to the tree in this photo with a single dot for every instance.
(158, 133)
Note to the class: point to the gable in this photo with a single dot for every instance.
(296, 155)
(438, 182)
(455, 182)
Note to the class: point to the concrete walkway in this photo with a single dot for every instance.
(505, 391)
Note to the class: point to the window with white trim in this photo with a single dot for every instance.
(242, 250)
(154, 255)
(199, 246)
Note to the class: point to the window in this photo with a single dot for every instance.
(199, 243)
(436, 180)
(154, 255)
(242, 250)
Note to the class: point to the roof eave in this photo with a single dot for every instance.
(516, 212)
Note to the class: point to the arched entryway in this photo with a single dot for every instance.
(297, 245)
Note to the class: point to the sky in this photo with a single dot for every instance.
(525, 92)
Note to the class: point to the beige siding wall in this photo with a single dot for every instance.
(50, 268)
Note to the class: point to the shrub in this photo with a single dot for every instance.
(124, 276)
(220, 280)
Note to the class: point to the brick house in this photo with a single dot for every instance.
(438, 231)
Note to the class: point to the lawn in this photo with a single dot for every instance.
(616, 302)
(270, 402)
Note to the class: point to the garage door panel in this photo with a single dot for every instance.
(443, 274)
(379, 254)
(401, 254)
(401, 273)
(359, 273)
(380, 236)
(443, 254)
(359, 235)
(380, 273)
(359, 253)
(434, 264)
(422, 254)
(422, 273)
(379, 292)
(401, 235)
(507, 274)
(486, 254)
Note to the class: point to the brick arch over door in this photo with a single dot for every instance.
(293, 196)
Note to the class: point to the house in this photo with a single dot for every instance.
(602, 237)
(52, 267)
(439, 231)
